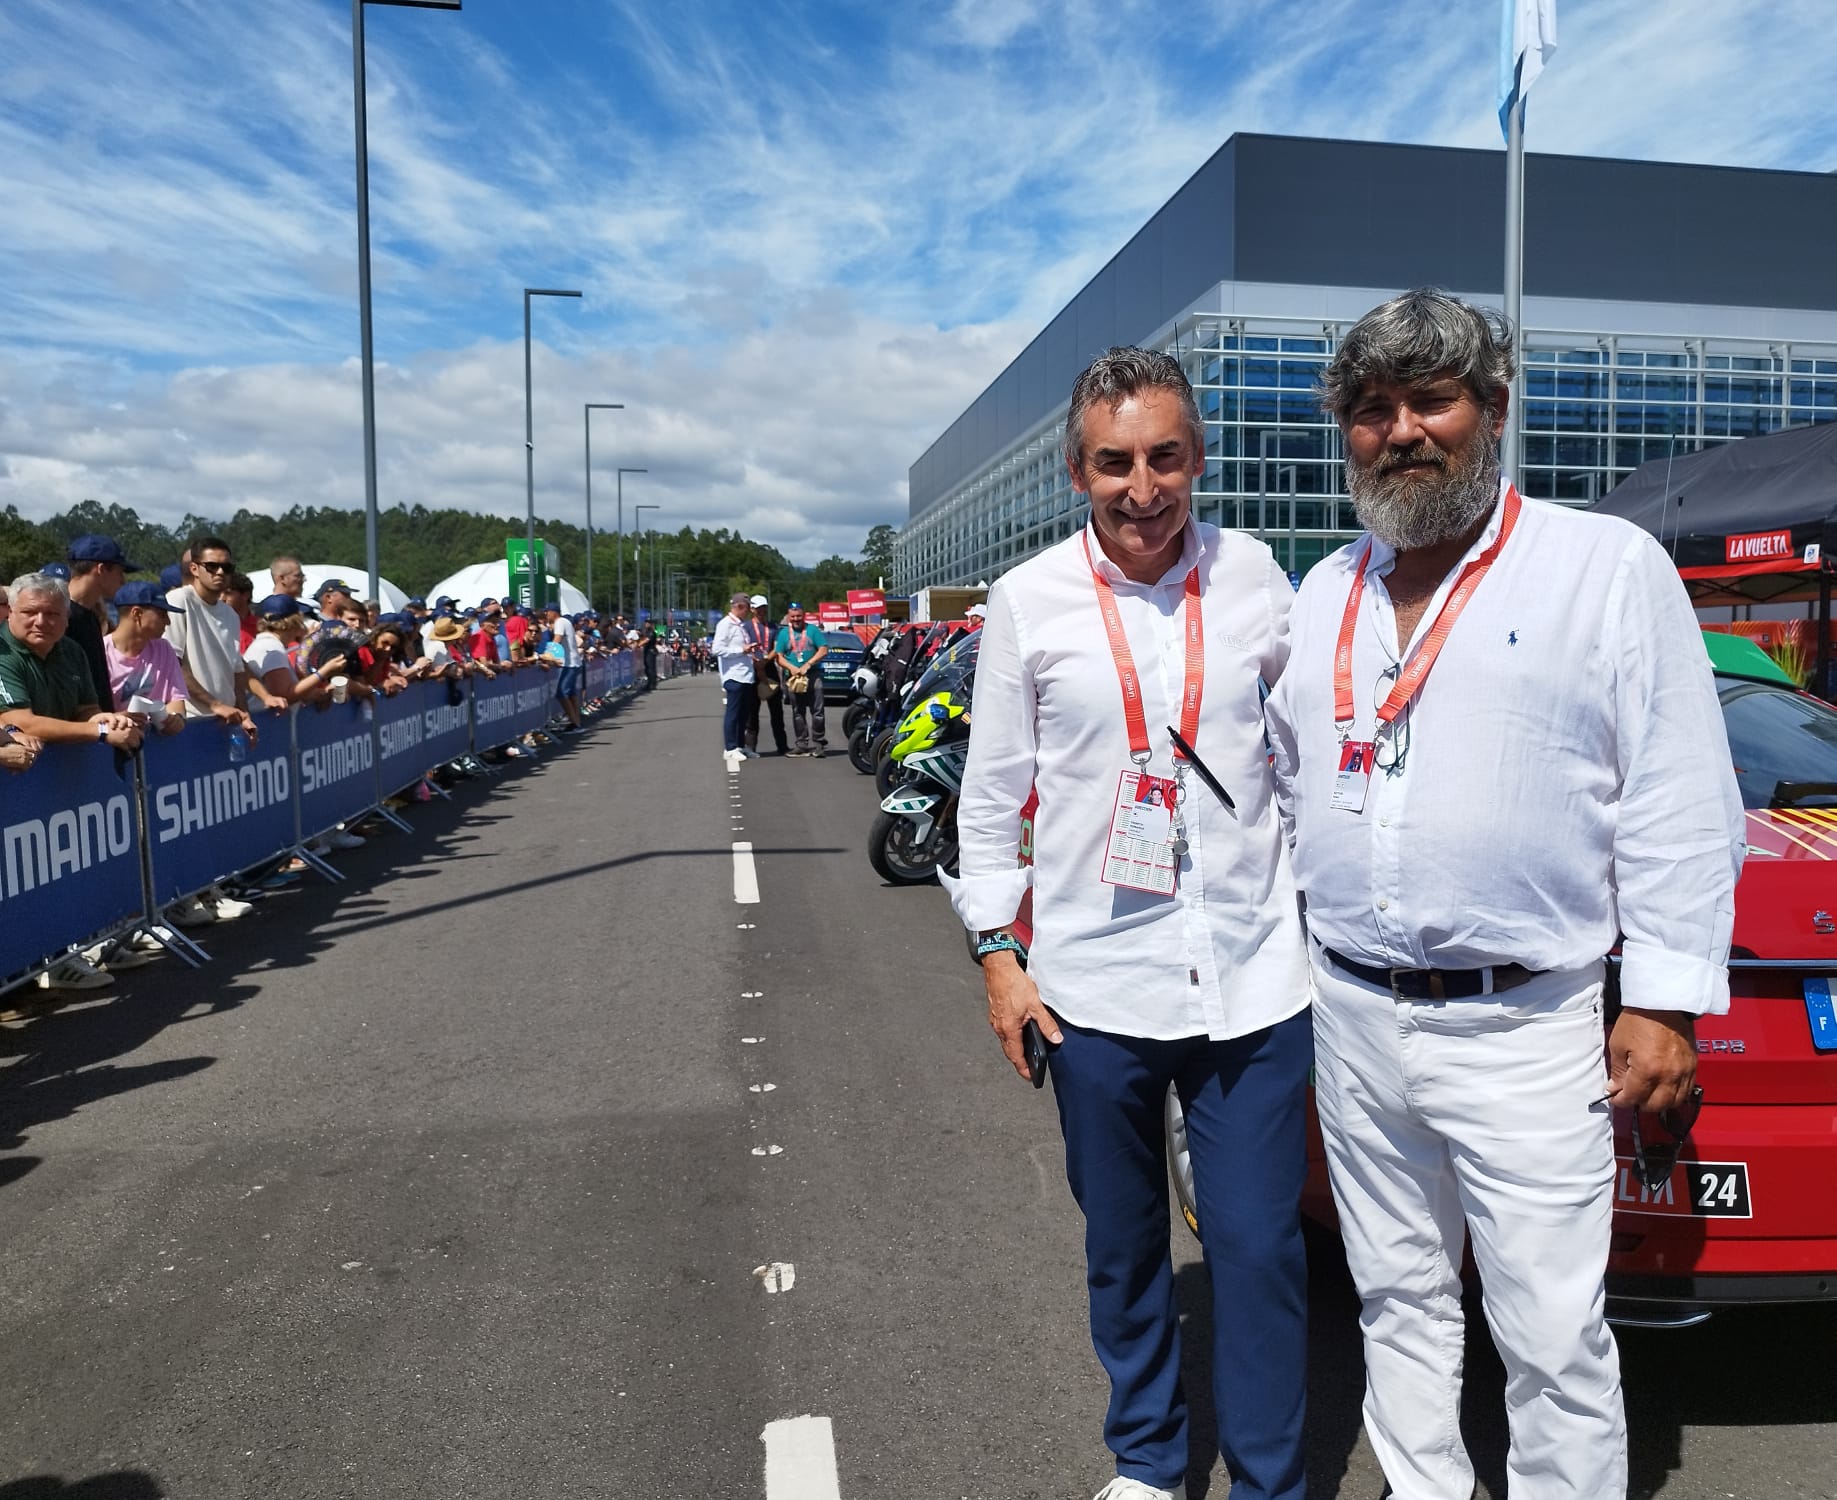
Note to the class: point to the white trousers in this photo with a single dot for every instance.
(1480, 1118)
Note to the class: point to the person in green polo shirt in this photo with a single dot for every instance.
(46, 689)
(798, 649)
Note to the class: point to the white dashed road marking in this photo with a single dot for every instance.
(746, 878)
(779, 1276)
(800, 1460)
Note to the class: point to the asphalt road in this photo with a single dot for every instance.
(453, 1180)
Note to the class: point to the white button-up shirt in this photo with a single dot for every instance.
(731, 638)
(1565, 777)
(1223, 956)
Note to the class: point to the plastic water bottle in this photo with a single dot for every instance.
(239, 746)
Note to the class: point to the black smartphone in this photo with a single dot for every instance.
(1033, 1053)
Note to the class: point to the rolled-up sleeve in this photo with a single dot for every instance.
(1004, 745)
(1680, 830)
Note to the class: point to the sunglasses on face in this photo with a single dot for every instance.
(1653, 1160)
(211, 567)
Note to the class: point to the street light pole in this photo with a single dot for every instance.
(637, 604)
(586, 420)
(619, 608)
(529, 444)
(363, 267)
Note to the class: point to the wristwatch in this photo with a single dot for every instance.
(1001, 942)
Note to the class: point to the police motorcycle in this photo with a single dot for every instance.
(865, 682)
(915, 833)
(899, 669)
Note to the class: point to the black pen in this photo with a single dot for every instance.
(1200, 766)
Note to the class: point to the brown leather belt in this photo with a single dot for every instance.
(1434, 984)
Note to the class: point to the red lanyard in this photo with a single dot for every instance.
(1139, 749)
(1416, 672)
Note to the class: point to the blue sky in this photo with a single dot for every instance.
(808, 234)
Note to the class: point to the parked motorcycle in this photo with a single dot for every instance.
(915, 833)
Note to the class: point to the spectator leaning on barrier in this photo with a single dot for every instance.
(567, 689)
(98, 567)
(17, 749)
(288, 577)
(733, 645)
(239, 594)
(270, 659)
(144, 672)
(207, 635)
(800, 649)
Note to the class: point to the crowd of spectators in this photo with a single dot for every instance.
(88, 656)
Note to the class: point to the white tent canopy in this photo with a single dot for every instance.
(317, 573)
(491, 580)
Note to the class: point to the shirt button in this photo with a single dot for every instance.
(1384, 822)
(1384, 906)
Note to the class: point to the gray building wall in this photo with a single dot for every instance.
(1304, 212)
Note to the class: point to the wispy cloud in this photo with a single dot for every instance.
(808, 236)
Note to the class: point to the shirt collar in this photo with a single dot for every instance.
(1188, 560)
(1383, 555)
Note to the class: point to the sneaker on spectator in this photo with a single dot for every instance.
(147, 940)
(227, 907)
(115, 955)
(339, 839)
(73, 972)
(191, 912)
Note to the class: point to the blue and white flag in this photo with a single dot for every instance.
(1527, 38)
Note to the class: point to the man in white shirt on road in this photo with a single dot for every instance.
(1167, 947)
(1499, 749)
(567, 689)
(734, 648)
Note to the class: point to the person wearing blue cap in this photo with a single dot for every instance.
(144, 672)
(275, 681)
(98, 567)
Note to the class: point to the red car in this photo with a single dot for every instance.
(1749, 1214)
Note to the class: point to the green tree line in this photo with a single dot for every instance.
(417, 547)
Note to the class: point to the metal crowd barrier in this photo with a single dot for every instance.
(95, 842)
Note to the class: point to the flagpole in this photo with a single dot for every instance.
(1511, 446)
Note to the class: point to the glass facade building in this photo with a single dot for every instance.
(1610, 382)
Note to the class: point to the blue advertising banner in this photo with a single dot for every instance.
(494, 711)
(334, 759)
(69, 852)
(420, 728)
(596, 677)
(535, 697)
(209, 816)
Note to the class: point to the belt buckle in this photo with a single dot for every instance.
(1434, 985)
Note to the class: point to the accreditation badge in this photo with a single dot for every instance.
(1353, 776)
(1139, 855)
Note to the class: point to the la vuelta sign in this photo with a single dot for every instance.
(1758, 546)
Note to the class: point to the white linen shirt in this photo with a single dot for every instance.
(1567, 774)
(1224, 956)
(731, 639)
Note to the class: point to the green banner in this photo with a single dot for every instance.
(525, 586)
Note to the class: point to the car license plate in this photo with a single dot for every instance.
(1822, 1014)
(1697, 1189)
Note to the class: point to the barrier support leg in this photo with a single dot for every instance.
(177, 944)
(388, 815)
(316, 862)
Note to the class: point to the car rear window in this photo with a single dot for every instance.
(1778, 736)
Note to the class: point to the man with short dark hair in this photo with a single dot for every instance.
(567, 687)
(1166, 946)
(207, 634)
(98, 567)
(734, 646)
(798, 650)
(1500, 755)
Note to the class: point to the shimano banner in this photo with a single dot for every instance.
(494, 711)
(535, 697)
(69, 857)
(423, 726)
(210, 815)
(334, 758)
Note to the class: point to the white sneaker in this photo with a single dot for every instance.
(191, 912)
(228, 908)
(1121, 1488)
(116, 956)
(73, 973)
(147, 940)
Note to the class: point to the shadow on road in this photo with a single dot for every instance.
(123, 1484)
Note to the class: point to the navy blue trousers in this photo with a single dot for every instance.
(1244, 1104)
(733, 722)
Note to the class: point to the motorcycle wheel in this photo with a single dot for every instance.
(855, 714)
(1180, 1163)
(886, 769)
(890, 852)
(861, 749)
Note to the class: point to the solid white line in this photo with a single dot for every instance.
(800, 1460)
(746, 878)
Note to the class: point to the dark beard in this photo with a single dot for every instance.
(1415, 509)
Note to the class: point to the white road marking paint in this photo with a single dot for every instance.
(351, 1265)
(800, 1459)
(768, 1151)
(779, 1276)
(746, 926)
(751, 1041)
(746, 878)
(752, 994)
(761, 1088)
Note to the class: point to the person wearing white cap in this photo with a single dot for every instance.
(768, 685)
(975, 614)
(733, 648)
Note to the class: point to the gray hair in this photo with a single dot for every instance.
(38, 583)
(1112, 378)
(1419, 336)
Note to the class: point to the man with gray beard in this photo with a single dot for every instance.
(1498, 750)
